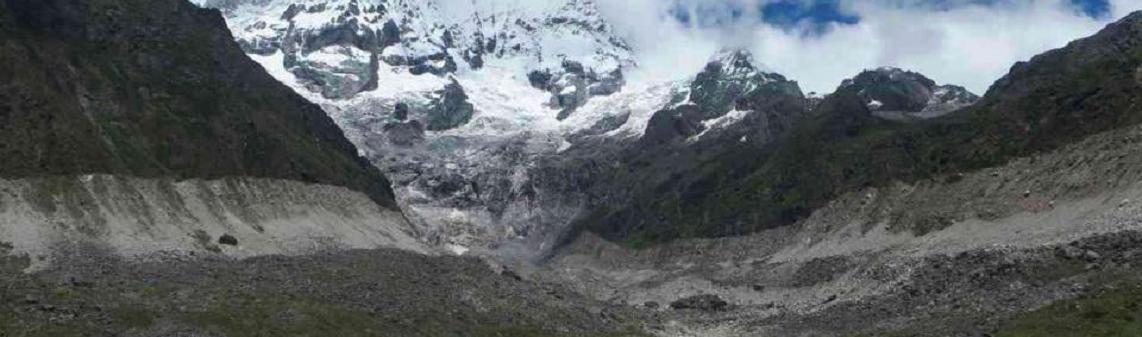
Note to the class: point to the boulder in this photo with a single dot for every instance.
(700, 302)
(227, 239)
(540, 79)
(400, 112)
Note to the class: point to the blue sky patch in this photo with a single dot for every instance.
(709, 14)
(1093, 8)
(818, 15)
(788, 12)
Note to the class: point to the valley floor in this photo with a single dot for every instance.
(357, 293)
(1049, 245)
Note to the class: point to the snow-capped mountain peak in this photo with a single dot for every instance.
(454, 100)
(734, 61)
(335, 45)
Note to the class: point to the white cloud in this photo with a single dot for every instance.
(666, 49)
(969, 45)
(460, 9)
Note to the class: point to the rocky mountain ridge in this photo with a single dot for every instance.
(844, 145)
(335, 46)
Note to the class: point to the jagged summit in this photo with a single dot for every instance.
(734, 61)
(895, 93)
(730, 79)
(337, 46)
(727, 99)
(740, 64)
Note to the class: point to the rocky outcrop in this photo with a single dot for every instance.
(336, 78)
(572, 85)
(897, 94)
(450, 110)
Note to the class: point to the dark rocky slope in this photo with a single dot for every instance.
(1062, 96)
(152, 88)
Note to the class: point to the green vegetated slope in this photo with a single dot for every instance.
(1110, 312)
(155, 88)
(1090, 86)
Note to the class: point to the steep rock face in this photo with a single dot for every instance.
(157, 89)
(1055, 99)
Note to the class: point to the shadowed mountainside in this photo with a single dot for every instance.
(155, 88)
